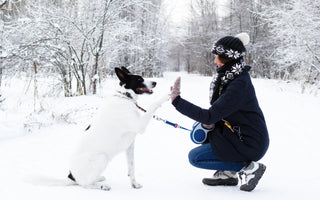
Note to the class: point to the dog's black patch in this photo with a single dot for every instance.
(125, 70)
(70, 176)
(87, 128)
(133, 82)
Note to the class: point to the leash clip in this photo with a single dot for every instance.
(227, 124)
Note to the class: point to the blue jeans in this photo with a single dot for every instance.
(203, 157)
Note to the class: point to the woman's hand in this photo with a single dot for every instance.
(206, 126)
(175, 89)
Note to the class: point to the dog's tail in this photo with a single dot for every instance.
(43, 180)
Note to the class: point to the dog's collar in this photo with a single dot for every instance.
(127, 95)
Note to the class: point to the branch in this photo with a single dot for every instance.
(3, 4)
(315, 56)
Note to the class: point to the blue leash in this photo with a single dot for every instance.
(175, 125)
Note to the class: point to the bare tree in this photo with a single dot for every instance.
(295, 26)
(145, 44)
(79, 41)
(202, 31)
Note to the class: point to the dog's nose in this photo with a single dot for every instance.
(154, 84)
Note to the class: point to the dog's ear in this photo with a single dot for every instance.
(125, 70)
(123, 76)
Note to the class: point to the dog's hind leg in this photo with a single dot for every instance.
(131, 167)
(87, 170)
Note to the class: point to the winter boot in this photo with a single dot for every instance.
(252, 173)
(229, 178)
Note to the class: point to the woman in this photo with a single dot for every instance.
(239, 137)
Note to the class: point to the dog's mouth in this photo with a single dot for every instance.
(144, 90)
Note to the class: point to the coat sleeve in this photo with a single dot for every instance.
(230, 101)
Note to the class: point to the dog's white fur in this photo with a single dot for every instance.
(112, 132)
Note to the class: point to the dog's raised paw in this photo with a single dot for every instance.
(165, 98)
(162, 100)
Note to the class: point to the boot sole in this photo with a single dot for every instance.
(223, 182)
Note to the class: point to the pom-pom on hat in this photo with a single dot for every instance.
(231, 47)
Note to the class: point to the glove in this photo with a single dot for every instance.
(175, 89)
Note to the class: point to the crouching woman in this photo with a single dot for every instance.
(240, 137)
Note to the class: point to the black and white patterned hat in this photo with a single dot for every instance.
(232, 47)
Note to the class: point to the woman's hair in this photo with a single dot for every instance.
(223, 60)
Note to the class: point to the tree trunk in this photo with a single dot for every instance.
(35, 82)
(100, 43)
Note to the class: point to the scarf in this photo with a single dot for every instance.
(225, 75)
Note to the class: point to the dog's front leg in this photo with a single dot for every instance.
(131, 170)
(99, 186)
(150, 112)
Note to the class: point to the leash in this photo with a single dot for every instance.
(175, 125)
(234, 129)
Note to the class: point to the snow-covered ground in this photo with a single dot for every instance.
(29, 154)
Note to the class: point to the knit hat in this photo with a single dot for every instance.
(231, 47)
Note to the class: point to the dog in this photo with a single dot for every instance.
(113, 131)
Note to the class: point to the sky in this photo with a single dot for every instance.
(177, 10)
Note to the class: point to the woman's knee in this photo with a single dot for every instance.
(199, 153)
(192, 157)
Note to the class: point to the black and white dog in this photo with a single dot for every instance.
(112, 132)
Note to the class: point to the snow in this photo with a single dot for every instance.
(30, 154)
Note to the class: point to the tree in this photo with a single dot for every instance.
(211, 20)
(295, 26)
(202, 31)
(145, 45)
(80, 40)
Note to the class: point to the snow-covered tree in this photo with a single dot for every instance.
(203, 29)
(211, 20)
(83, 40)
(295, 27)
(145, 46)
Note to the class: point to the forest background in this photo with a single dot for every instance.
(77, 43)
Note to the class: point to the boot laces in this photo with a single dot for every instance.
(243, 177)
(218, 173)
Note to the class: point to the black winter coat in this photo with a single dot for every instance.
(239, 106)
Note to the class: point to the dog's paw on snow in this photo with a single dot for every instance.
(105, 187)
(136, 185)
(99, 186)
